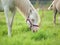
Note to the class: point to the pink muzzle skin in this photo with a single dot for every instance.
(31, 25)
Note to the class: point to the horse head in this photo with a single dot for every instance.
(33, 20)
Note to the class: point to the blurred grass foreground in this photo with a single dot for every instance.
(48, 34)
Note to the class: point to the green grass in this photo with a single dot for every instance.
(48, 34)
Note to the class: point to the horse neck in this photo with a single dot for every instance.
(24, 6)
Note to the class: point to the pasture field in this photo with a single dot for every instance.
(48, 34)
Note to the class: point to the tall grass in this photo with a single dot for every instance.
(48, 34)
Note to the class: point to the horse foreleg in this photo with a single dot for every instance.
(12, 17)
(55, 12)
(6, 11)
(9, 19)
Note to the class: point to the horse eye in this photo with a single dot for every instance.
(33, 20)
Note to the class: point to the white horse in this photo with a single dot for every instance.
(25, 6)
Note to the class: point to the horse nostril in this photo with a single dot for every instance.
(34, 30)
